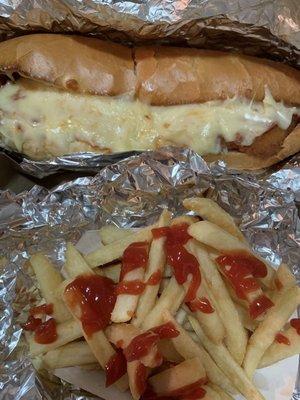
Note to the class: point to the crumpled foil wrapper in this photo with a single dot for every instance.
(131, 193)
(262, 28)
(265, 28)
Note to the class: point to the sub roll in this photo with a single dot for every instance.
(62, 94)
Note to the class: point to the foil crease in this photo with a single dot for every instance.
(251, 26)
(130, 193)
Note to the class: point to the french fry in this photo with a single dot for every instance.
(170, 299)
(173, 379)
(157, 260)
(111, 233)
(227, 364)
(112, 272)
(49, 279)
(223, 395)
(69, 355)
(215, 237)
(168, 351)
(212, 212)
(75, 264)
(236, 336)
(247, 322)
(274, 321)
(283, 280)
(122, 334)
(188, 348)
(66, 332)
(100, 347)
(184, 219)
(103, 351)
(279, 351)
(210, 321)
(135, 369)
(126, 304)
(210, 394)
(114, 251)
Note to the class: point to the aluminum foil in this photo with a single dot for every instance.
(265, 28)
(130, 193)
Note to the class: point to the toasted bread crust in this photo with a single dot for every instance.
(160, 76)
(77, 63)
(170, 75)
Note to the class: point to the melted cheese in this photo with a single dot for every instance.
(42, 121)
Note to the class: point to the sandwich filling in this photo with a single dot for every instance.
(42, 121)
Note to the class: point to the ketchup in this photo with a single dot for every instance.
(95, 295)
(280, 338)
(141, 378)
(202, 304)
(247, 261)
(238, 274)
(32, 323)
(46, 332)
(140, 346)
(155, 278)
(260, 306)
(130, 287)
(166, 331)
(134, 256)
(45, 309)
(115, 368)
(182, 262)
(160, 232)
(295, 323)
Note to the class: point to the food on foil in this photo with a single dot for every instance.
(64, 94)
(159, 309)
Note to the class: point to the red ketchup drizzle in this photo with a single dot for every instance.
(140, 346)
(202, 304)
(130, 287)
(280, 338)
(189, 390)
(182, 262)
(141, 378)
(45, 309)
(160, 232)
(295, 323)
(166, 331)
(32, 323)
(46, 332)
(155, 278)
(260, 306)
(115, 368)
(96, 297)
(238, 275)
(134, 256)
(245, 260)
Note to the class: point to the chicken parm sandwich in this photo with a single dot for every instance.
(62, 94)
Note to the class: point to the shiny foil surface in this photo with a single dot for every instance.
(130, 193)
(265, 28)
